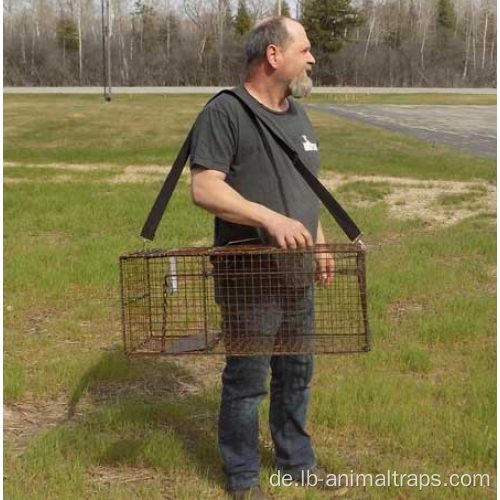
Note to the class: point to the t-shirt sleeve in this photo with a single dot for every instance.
(213, 143)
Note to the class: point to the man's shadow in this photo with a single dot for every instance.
(163, 393)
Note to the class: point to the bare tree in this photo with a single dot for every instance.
(485, 33)
(169, 42)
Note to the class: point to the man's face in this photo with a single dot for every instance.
(297, 61)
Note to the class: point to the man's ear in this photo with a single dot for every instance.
(272, 55)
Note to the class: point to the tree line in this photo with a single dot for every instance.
(418, 43)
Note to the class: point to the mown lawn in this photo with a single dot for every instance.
(86, 422)
(437, 99)
(145, 130)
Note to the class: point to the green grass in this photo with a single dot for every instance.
(144, 130)
(14, 379)
(423, 401)
(416, 359)
(136, 130)
(367, 191)
(408, 99)
(459, 198)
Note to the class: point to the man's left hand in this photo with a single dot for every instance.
(325, 266)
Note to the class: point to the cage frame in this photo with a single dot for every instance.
(209, 338)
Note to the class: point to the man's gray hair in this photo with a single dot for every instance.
(270, 31)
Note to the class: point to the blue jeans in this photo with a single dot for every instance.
(244, 387)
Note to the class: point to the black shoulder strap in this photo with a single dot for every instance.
(336, 211)
(334, 208)
(160, 205)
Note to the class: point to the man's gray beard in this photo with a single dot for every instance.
(301, 86)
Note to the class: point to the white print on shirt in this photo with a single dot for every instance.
(308, 145)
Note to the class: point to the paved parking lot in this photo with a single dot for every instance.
(469, 128)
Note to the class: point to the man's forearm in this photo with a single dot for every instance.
(210, 191)
(223, 201)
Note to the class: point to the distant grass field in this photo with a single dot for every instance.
(435, 99)
(83, 421)
(145, 130)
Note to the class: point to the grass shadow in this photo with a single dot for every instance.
(159, 415)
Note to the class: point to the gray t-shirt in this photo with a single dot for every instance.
(226, 139)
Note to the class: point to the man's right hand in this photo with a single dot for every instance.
(288, 233)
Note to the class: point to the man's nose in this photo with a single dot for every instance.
(311, 59)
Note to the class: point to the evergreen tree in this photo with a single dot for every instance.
(327, 23)
(243, 20)
(445, 20)
(67, 33)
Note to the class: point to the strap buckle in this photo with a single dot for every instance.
(358, 241)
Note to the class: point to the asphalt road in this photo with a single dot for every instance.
(472, 129)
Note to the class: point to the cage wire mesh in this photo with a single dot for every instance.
(244, 300)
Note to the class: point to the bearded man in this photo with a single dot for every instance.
(241, 175)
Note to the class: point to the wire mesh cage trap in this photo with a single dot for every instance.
(241, 299)
(244, 300)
